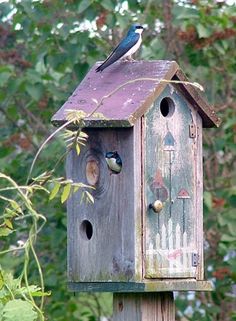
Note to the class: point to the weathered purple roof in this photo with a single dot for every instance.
(124, 106)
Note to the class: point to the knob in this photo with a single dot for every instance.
(157, 206)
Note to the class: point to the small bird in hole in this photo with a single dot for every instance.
(114, 162)
(126, 48)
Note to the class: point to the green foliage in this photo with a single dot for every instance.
(18, 310)
(46, 49)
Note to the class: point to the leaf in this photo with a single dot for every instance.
(89, 197)
(33, 76)
(4, 76)
(77, 149)
(76, 188)
(84, 4)
(8, 224)
(1, 281)
(202, 31)
(55, 190)
(228, 238)
(5, 231)
(208, 200)
(108, 5)
(66, 192)
(16, 206)
(83, 134)
(19, 310)
(35, 91)
(232, 200)
(34, 291)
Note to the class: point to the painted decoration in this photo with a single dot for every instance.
(170, 239)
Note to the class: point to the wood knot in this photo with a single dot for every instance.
(92, 172)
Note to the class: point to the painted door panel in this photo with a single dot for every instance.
(170, 236)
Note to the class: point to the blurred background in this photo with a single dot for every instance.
(46, 48)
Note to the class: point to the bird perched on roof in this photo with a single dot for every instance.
(126, 48)
(114, 162)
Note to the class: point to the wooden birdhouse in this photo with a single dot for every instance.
(145, 230)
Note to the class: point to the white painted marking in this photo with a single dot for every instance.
(113, 165)
(134, 48)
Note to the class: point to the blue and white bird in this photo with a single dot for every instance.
(126, 48)
(114, 162)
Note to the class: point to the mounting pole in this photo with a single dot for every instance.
(149, 306)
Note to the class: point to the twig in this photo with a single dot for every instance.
(99, 103)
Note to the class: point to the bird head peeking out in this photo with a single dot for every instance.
(114, 162)
(126, 48)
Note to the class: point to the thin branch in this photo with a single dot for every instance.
(194, 84)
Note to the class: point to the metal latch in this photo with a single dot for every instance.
(192, 130)
(195, 259)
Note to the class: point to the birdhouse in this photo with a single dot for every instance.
(144, 231)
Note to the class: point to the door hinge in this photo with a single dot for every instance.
(195, 259)
(192, 130)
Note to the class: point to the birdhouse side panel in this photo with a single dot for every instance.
(101, 236)
(199, 198)
(170, 243)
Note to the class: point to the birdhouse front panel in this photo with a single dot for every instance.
(103, 237)
(172, 188)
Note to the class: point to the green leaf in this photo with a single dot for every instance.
(89, 197)
(208, 200)
(8, 223)
(34, 291)
(19, 310)
(5, 231)
(55, 190)
(77, 149)
(232, 200)
(108, 5)
(84, 4)
(1, 281)
(202, 31)
(66, 192)
(33, 76)
(228, 238)
(4, 76)
(35, 91)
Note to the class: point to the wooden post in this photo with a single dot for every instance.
(143, 306)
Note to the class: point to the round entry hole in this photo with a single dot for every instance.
(86, 230)
(167, 107)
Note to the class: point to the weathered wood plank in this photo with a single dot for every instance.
(170, 176)
(111, 252)
(147, 286)
(143, 307)
(199, 198)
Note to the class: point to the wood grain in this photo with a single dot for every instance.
(170, 176)
(111, 253)
(143, 307)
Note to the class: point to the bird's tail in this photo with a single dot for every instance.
(100, 68)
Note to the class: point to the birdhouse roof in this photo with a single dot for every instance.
(123, 92)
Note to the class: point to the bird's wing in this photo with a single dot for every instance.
(124, 46)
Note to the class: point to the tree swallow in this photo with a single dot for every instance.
(114, 162)
(126, 48)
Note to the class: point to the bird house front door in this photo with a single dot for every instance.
(171, 187)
